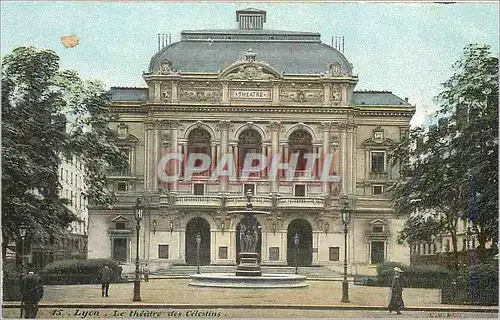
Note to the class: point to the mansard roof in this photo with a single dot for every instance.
(378, 98)
(128, 94)
(289, 52)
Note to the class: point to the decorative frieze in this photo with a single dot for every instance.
(302, 96)
(250, 73)
(200, 95)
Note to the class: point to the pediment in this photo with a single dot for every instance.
(250, 69)
(378, 222)
(119, 218)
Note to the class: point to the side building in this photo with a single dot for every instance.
(246, 91)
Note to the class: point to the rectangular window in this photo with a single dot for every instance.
(222, 252)
(274, 253)
(122, 186)
(334, 253)
(250, 187)
(163, 251)
(300, 190)
(199, 189)
(377, 190)
(120, 226)
(378, 161)
(377, 252)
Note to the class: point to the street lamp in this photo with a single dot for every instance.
(139, 212)
(22, 232)
(345, 211)
(198, 242)
(296, 240)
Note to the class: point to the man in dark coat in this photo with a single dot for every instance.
(105, 274)
(32, 293)
(396, 303)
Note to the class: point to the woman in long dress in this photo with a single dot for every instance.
(396, 303)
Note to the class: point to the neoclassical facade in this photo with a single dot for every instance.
(253, 90)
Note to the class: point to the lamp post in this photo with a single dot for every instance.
(345, 211)
(198, 242)
(139, 212)
(296, 240)
(22, 232)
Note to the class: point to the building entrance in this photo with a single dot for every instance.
(195, 226)
(120, 249)
(304, 230)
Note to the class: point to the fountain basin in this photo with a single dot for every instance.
(266, 281)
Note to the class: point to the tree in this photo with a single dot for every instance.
(36, 96)
(438, 165)
(33, 134)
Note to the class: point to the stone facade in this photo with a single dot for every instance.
(249, 105)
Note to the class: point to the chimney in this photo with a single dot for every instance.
(406, 99)
(251, 19)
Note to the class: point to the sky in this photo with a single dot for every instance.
(406, 48)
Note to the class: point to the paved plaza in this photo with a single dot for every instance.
(165, 298)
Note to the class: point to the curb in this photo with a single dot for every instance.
(132, 305)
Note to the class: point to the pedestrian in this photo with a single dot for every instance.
(146, 272)
(105, 274)
(396, 303)
(32, 293)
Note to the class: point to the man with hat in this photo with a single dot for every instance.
(32, 293)
(396, 303)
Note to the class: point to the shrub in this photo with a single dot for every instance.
(11, 281)
(77, 271)
(485, 282)
(418, 276)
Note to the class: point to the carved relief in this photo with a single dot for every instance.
(200, 95)
(274, 125)
(301, 96)
(334, 70)
(224, 125)
(122, 131)
(166, 68)
(250, 73)
(336, 94)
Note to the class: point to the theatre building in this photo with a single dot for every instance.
(253, 90)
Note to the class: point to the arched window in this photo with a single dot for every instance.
(300, 142)
(199, 142)
(249, 141)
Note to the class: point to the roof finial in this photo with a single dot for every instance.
(250, 55)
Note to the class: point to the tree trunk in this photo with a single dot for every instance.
(455, 249)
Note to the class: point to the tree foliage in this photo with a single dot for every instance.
(36, 96)
(440, 166)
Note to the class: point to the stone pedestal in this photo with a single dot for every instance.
(248, 265)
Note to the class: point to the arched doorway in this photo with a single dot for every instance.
(194, 226)
(304, 230)
(259, 242)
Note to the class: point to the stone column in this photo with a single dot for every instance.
(175, 97)
(225, 92)
(325, 127)
(343, 157)
(344, 95)
(286, 157)
(149, 155)
(157, 96)
(185, 152)
(274, 126)
(213, 157)
(352, 158)
(276, 94)
(155, 156)
(236, 157)
(174, 148)
(224, 149)
(319, 170)
(327, 94)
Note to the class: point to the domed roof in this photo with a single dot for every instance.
(287, 51)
